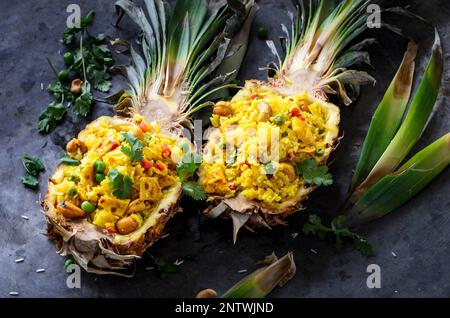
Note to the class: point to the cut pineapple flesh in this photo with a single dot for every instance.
(151, 177)
(257, 140)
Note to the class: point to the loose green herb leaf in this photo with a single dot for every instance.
(33, 165)
(186, 169)
(69, 35)
(340, 230)
(314, 174)
(59, 91)
(67, 160)
(83, 103)
(134, 150)
(31, 182)
(51, 116)
(121, 184)
(164, 266)
(194, 190)
(100, 79)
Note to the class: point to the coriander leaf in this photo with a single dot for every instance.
(33, 165)
(69, 35)
(314, 174)
(120, 184)
(363, 246)
(315, 227)
(59, 91)
(30, 182)
(340, 230)
(83, 103)
(100, 79)
(194, 190)
(134, 150)
(164, 266)
(51, 116)
(69, 161)
(186, 169)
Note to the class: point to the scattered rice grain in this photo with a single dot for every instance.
(19, 260)
(25, 217)
(40, 270)
(242, 271)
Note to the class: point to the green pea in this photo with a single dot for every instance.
(63, 76)
(262, 33)
(87, 206)
(72, 192)
(99, 177)
(278, 120)
(74, 178)
(69, 59)
(320, 151)
(99, 166)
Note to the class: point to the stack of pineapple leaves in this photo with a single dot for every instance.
(381, 183)
(89, 60)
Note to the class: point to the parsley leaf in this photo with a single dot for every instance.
(121, 184)
(31, 182)
(314, 174)
(194, 190)
(340, 230)
(83, 103)
(51, 116)
(134, 150)
(33, 165)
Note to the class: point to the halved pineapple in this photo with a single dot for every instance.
(126, 223)
(112, 198)
(289, 116)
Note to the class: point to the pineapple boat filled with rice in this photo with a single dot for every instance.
(270, 143)
(112, 190)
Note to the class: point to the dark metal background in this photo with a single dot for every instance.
(418, 233)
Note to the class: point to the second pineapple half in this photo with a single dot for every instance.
(268, 147)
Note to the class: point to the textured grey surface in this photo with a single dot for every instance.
(418, 233)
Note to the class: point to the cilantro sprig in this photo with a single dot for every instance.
(90, 61)
(120, 184)
(134, 148)
(313, 173)
(186, 170)
(338, 228)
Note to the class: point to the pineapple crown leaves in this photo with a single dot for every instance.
(181, 50)
(318, 43)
